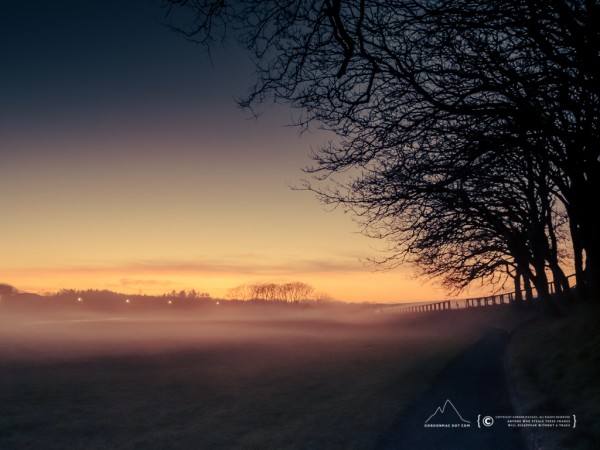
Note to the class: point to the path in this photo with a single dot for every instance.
(476, 385)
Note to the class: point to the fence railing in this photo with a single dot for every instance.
(505, 298)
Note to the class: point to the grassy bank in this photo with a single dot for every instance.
(555, 366)
(224, 382)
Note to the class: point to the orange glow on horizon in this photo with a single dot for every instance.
(138, 173)
(366, 286)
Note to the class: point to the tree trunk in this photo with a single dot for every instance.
(518, 300)
(580, 280)
(592, 275)
(540, 280)
(582, 199)
(561, 283)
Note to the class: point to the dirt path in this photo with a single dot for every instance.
(476, 387)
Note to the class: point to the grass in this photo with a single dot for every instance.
(555, 366)
(222, 382)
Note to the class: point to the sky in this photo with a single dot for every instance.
(125, 164)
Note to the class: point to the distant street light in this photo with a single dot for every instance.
(127, 301)
(79, 299)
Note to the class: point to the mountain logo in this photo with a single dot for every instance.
(447, 416)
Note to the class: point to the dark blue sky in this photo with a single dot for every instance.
(126, 164)
(70, 62)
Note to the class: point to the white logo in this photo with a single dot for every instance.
(446, 416)
(488, 421)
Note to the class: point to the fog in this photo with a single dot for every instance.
(226, 377)
(27, 336)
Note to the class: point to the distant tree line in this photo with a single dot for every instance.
(105, 294)
(293, 292)
(7, 290)
(191, 294)
(468, 131)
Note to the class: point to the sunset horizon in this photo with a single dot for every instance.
(255, 224)
(129, 166)
(351, 287)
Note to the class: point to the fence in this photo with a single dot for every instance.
(464, 303)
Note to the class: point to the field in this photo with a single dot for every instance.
(242, 378)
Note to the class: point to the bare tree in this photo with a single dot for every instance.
(293, 292)
(241, 292)
(429, 94)
(297, 291)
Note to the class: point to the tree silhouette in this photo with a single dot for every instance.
(7, 290)
(293, 292)
(468, 115)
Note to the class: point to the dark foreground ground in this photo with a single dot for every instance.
(319, 381)
(555, 367)
(475, 384)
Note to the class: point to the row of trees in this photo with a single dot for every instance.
(189, 294)
(294, 292)
(7, 290)
(105, 294)
(468, 131)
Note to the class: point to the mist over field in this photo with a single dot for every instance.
(238, 377)
(70, 335)
(461, 139)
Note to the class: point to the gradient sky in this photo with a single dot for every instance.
(125, 164)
